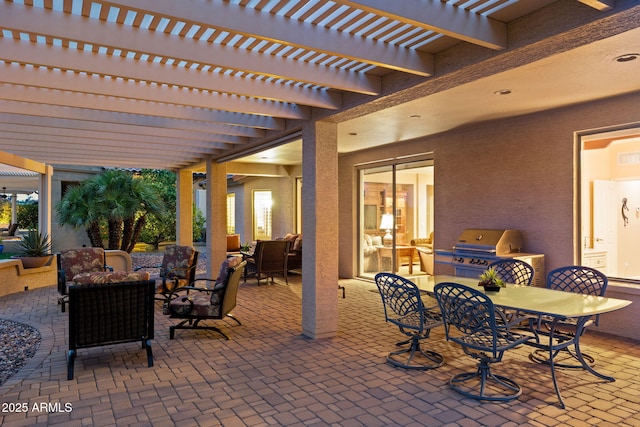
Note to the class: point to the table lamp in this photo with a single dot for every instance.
(386, 223)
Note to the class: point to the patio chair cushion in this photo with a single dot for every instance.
(83, 260)
(201, 304)
(297, 244)
(222, 277)
(109, 277)
(177, 260)
(231, 261)
(197, 305)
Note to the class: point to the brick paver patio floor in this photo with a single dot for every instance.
(269, 374)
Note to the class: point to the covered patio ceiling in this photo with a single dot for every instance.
(167, 84)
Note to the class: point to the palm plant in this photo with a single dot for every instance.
(149, 202)
(115, 199)
(78, 210)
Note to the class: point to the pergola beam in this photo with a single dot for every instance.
(275, 28)
(99, 102)
(36, 122)
(117, 139)
(53, 144)
(111, 35)
(173, 117)
(135, 91)
(14, 160)
(440, 17)
(94, 63)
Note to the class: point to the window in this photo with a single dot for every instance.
(396, 207)
(231, 213)
(610, 202)
(262, 204)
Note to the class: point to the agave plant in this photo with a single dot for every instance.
(490, 277)
(34, 244)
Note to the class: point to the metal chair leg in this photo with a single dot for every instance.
(491, 387)
(415, 357)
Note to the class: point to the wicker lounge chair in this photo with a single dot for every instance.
(110, 313)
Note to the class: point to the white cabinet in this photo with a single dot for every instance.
(595, 259)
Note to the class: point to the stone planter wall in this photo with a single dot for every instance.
(15, 278)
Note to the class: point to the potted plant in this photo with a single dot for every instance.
(34, 249)
(491, 281)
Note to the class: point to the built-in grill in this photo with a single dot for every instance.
(476, 248)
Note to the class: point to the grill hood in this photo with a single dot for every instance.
(497, 242)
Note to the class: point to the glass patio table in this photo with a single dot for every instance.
(532, 300)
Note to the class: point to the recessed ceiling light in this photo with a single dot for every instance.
(627, 57)
(502, 92)
(415, 116)
(353, 133)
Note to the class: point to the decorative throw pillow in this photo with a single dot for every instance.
(109, 277)
(231, 261)
(219, 284)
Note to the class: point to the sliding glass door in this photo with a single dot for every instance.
(396, 218)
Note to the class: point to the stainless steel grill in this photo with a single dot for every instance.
(476, 248)
(488, 242)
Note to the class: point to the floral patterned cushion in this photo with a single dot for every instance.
(198, 305)
(109, 277)
(83, 260)
(176, 261)
(166, 286)
(231, 261)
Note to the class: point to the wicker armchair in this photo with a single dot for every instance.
(110, 313)
(269, 257)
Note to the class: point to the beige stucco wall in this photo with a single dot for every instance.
(284, 198)
(15, 278)
(515, 173)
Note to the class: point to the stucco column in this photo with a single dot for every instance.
(216, 216)
(14, 208)
(319, 230)
(44, 201)
(184, 207)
